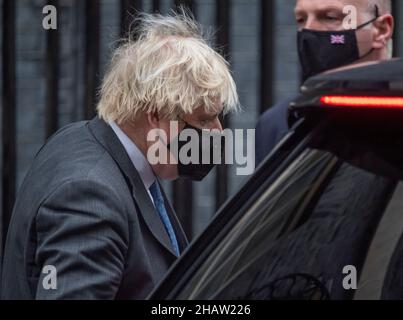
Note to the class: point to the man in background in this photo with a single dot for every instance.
(324, 44)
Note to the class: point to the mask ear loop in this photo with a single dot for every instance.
(377, 15)
(185, 122)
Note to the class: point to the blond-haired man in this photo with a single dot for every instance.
(91, 220)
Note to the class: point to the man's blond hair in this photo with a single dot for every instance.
(169, 69)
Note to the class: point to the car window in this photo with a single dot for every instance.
(380, 277)
(318, 217)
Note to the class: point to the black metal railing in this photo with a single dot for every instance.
(9, 115)
(52, 75)
(183, 191)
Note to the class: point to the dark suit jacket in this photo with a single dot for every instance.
(84, 210)
(271, 128)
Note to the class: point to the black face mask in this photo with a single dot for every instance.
(198, 171)
(320, 51)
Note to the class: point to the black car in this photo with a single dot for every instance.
(322, 217)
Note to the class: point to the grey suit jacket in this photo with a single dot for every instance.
(83, 209)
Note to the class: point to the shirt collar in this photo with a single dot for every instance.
(136, 156)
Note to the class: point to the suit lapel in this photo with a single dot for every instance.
(104, 134)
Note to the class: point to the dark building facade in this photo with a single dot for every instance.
(57, 73)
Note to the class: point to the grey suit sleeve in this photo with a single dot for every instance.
(82, 231)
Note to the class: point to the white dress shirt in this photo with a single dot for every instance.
(136, 156)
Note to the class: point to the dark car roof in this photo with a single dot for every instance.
(381, 75)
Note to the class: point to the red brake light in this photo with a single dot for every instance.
(363, 102)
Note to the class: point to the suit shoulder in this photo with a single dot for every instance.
(73, 154)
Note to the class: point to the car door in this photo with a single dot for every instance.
(295, 235)
(322, 218)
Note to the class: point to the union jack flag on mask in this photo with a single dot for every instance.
(335, 39)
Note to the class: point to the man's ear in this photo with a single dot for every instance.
(383, 31)
(153, 120)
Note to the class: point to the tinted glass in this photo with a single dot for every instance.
(321, 220)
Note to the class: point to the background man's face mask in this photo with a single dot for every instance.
(320, 51)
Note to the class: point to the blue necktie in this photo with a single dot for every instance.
(160, 206)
